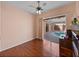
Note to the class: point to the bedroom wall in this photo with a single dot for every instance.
(68, 10)
(77, 8)
(17, 26)
(0, 26)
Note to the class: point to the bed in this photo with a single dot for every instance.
(51, 42)
(54, 36)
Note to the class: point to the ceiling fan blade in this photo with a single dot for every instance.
(44, 4)
(41, 9)
(35, 5)
(32, 6)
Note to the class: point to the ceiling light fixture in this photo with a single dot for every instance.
(38, 9)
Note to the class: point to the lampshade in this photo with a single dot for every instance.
(75, 27)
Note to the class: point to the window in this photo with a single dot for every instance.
(56, 24)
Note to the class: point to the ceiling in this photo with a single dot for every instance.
(26, 5)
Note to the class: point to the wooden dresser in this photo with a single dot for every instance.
(69, 47)
(66, 49)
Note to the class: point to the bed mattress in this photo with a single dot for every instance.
(54, 36)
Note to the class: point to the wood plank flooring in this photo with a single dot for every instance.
(35, 48)
(32, 48)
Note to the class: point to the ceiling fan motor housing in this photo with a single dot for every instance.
(39, 8)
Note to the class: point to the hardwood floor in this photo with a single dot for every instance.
(36, 48)
(32, 48)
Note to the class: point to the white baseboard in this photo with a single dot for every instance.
(15, 45)
(38, 37)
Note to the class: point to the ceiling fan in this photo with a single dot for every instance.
(38, 7)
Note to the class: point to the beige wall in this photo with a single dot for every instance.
(77, 8)
(17, 26)
(0, 26)
(68, 10)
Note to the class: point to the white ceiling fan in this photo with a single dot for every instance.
(38, 7)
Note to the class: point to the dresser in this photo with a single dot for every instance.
(66, 48)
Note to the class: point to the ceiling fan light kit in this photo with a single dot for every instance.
(38, 7)
(39, 10)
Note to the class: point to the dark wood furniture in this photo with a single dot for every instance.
(75, 39)
(66, 48)
(69, 47)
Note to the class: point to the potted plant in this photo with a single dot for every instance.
(75, 26)
(75, 21)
